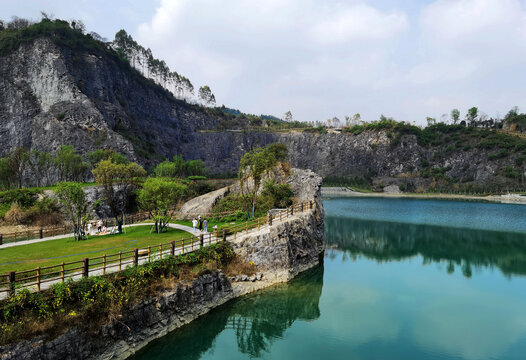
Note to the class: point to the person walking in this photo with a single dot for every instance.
(205, 224)
(194, 223)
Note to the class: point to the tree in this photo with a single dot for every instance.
(7, 175)
(194, 168)
(356, 118)
(98, 155)
(336, 122)
(287, 117)
(70, 164)
(18, 160)
(455, 115)
(117, 182)
(158, 196)
(41, 164)
(430, 121)
(206, 96)
(471, 116)
(254, 165)
(166, 169)
(73, 198)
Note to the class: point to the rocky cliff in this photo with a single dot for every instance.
(52, 94)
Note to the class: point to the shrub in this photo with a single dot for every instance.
(15, 215)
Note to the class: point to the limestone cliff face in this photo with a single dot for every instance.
(52, 95)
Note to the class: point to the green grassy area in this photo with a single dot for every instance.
(54, 252)
(220, 224)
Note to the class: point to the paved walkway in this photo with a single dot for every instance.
(26, 242)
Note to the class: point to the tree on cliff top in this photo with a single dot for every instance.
(118, 181)
(206, 96)
(254, 165)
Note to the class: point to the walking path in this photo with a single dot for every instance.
(26, 242)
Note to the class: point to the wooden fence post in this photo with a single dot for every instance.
(135, 257)
(172, 248)
(11, 279)
(104, 265)
(310, 204)
(41, 233)
(62, 272)
(224, 234)
(201, 241)
(292, 210)
(38, 279)
(85, 267)
(246, 228)
(269, 219)
(120, 260)
(301, 209)
(149, 251)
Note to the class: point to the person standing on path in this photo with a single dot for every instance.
(200, 223)
(194, 223)
(205, 224)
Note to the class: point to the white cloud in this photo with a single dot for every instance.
(269, 56)
(358, 22)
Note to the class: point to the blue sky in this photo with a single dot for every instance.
(402, 58)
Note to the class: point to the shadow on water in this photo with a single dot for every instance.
(256, 321)
(462, 248)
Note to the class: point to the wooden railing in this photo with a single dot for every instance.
(43, 277)
(65, 229)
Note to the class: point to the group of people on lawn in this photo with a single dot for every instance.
(98, 229)
(202, 223)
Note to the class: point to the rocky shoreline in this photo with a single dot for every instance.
(347, 192)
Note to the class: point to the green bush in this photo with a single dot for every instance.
(511, 172)
(24, 197)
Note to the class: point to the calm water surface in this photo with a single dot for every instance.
(402, 279)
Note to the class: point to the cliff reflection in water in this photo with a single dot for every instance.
(255, 320)
(462, 248)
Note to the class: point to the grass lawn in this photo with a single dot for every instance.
(220, 224)
(54, 252)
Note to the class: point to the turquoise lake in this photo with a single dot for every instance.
(402, 279)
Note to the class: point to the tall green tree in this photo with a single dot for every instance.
(18, 160)
(7, 175)
(70, 165)
(118, 181)
(455, 115)
(41, 165)
(73, 198)
(158, 196)
(471, 116)
(254, 165)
